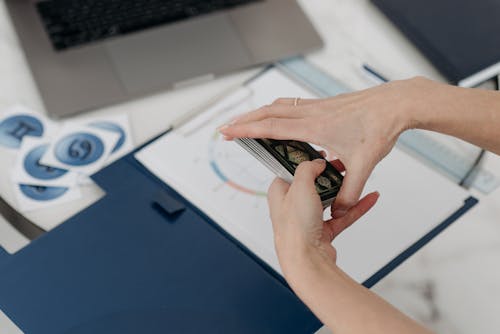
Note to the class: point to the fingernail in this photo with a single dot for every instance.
(223, 127)
(227, 125)
(339, 214)
(235, 120)
(320, 161)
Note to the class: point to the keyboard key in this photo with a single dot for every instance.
(72, 23)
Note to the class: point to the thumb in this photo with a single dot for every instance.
(354, 181)
(306, 174)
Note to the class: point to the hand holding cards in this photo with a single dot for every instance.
(282, 157)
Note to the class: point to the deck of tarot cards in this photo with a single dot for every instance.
(283, 156)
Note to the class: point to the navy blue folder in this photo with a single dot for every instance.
(145, 260)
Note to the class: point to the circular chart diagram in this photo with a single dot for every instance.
(238, 169)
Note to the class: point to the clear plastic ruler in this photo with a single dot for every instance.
(452, 163)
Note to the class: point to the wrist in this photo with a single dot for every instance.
(427, 101)
(308, 263)
(416, 91)
(410, 98)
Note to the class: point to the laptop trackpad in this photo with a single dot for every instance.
(158, 58)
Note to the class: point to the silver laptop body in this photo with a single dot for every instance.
(121, 68)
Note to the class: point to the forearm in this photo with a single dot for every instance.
(344, 305)
(469, 114)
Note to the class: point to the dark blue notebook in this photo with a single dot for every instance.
(459, 37)
(144, 260)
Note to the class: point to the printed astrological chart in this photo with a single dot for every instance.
(237, 174)
(236, 168)
(220, 177)
(225, 169)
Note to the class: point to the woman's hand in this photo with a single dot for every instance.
(359, 128)
(302, 237)
(307, 258)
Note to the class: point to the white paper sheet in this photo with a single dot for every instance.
(229, 185)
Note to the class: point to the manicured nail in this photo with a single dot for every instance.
(227, 125)
(223, 127)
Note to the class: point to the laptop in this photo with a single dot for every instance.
(87, 54)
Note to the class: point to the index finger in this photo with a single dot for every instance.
(276, 196)
(277, 192)
(273, 111)
(272, 128)
(283, 107)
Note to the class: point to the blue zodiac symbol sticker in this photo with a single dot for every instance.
(113, 127)
(40, 193)
(34, 168)
(79, 149)
(14, 129)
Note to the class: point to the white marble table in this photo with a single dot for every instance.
(452, 285)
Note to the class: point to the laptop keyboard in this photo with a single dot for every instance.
(71, 23)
